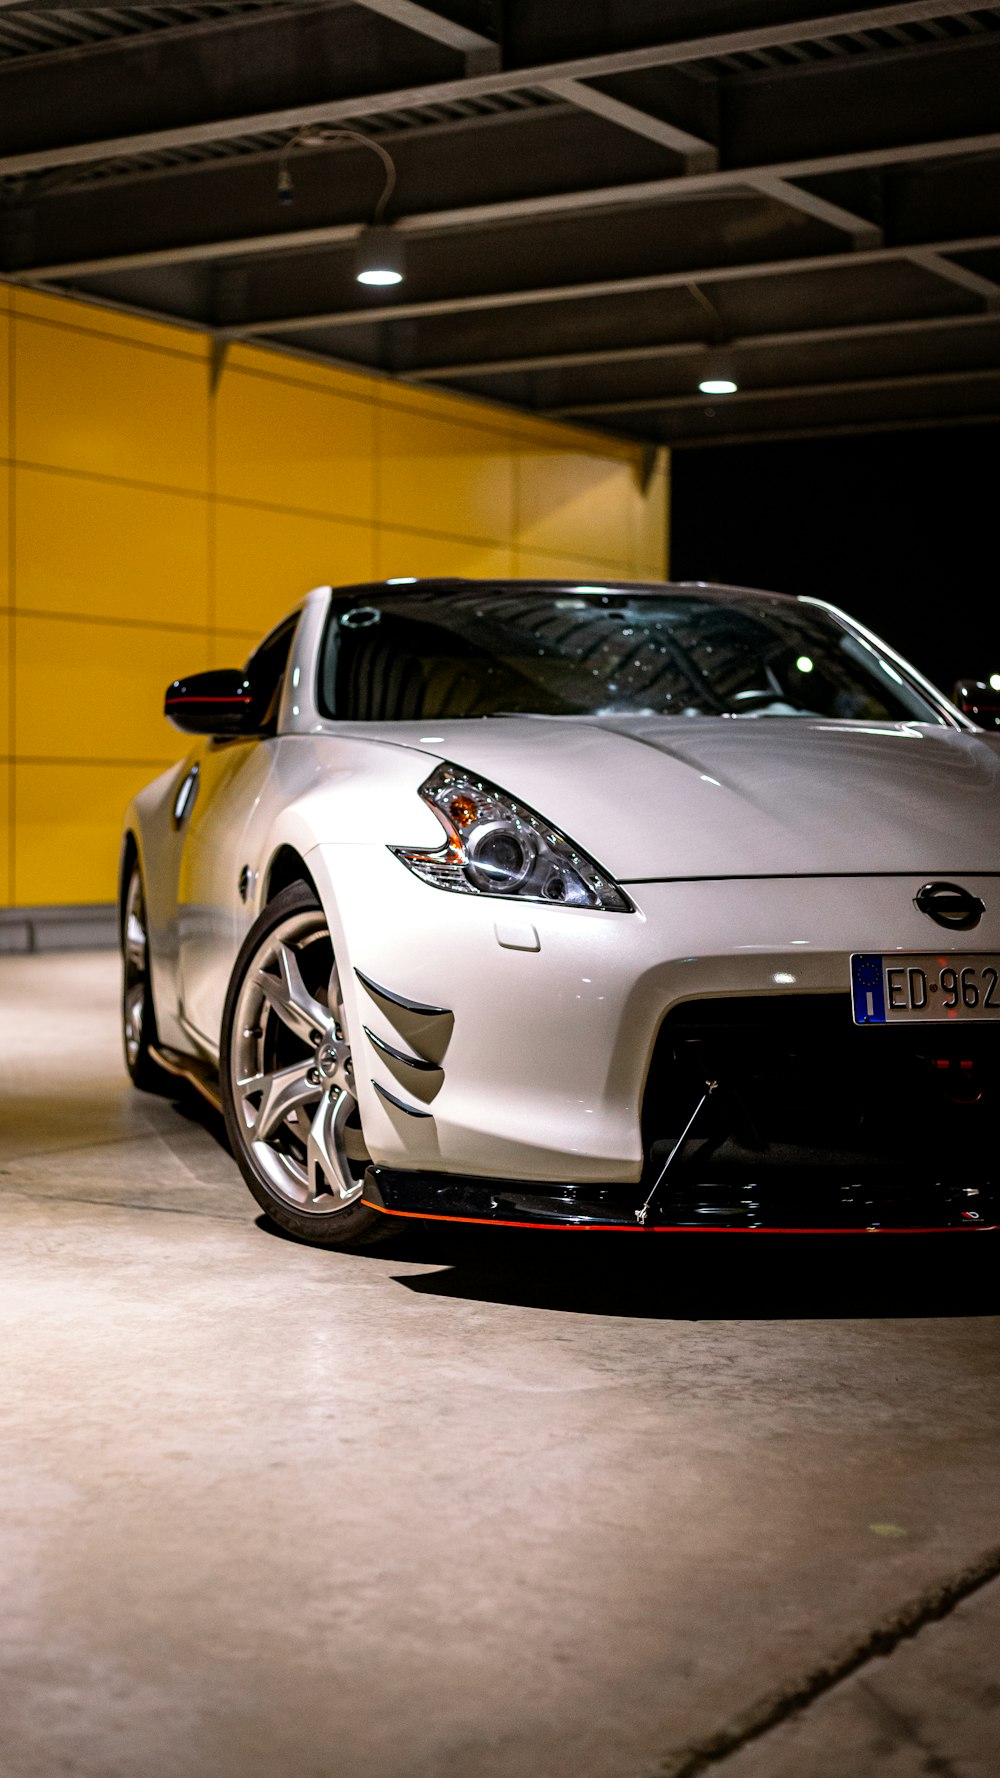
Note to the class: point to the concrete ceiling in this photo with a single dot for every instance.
(601, 203)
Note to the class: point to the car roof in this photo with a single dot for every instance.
(442, 582)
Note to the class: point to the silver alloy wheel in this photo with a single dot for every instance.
(290, 1071)
(135, 964)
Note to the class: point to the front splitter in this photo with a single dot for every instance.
(452, 1197)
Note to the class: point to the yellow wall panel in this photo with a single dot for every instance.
(143, 501)
(560, 436)
(89, 402)
(541, 565)
(575, 502)
(407, 552)
(266, 561)
(68, 830)
(67, 311)
(95, 690)
(650, 527)
(448, 407)
(435, 475)
(5, 336)
(6, 658)
(6, 487)
(101, 549)
(6, 833)
(290, 444)
(328, 378)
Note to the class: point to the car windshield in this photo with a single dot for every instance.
(434, 651)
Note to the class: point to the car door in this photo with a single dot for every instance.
(230, 779)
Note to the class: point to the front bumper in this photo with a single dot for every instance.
(545, 1024)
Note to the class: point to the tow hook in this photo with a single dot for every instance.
(643, 1211)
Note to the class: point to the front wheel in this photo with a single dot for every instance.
(288, 1080)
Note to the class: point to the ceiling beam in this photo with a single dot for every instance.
(839, 429)
(804, 336)
(795, 391)
(862, 231)
(698, 155)
(478, 85)
(482, 54)
(769, 180)
(556, 361)
(653, 191)
(243, 247)
(449, 305)
(701, 156)
(943, 267)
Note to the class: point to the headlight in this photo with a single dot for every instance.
(496, 846)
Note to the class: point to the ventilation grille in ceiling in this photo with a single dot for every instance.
(30, 33)
(851, 43)
(267, 144)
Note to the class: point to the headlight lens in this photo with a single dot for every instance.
(496, 846)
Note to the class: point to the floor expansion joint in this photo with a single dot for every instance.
(766, 1713)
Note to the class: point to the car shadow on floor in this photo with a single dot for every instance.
(707, 1275)
(722, 1277)
(716, 1277)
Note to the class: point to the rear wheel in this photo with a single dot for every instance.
(288, 1080)
(138, 1012)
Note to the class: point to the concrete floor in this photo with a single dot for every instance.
(493, 1505)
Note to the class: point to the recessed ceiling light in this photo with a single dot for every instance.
(995, 681)
(717, 386)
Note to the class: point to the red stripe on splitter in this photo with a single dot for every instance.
(684, 1228)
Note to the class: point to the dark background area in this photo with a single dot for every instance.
(902, 529)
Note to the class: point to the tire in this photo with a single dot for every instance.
(139, 1032)
(287, 1080)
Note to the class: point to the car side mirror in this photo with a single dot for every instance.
(979, 700)
(221, 702)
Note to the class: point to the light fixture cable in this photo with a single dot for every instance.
(335, 136)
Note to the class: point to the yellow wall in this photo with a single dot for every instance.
(153, 528)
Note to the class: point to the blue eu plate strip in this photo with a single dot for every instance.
(866, 983)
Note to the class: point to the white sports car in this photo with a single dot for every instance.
(633, 907)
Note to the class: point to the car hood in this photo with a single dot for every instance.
(654, 797)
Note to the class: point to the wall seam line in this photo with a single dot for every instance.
(99, 333)
(120, 623)
(95, 759)
(117, 481)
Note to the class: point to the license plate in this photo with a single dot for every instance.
(925, 990)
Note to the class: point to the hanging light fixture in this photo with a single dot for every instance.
(718, 375)
(378, 254)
